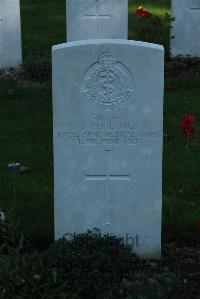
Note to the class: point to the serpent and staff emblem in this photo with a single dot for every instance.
(107, 83)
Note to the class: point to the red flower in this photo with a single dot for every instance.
(198, 224)
(187, 124)
(141, 12)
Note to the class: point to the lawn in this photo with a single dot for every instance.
(26, 133)
(48, 23)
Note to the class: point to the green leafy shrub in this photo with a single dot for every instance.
(183, 66)
(91, 265)
(9, 238)
(148, 284)
(152, 29)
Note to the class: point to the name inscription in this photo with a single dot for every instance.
(97, 132)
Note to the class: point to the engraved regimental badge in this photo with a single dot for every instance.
(107, 83)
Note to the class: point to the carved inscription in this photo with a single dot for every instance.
(194, 4)
(107, 132)
(108, 176)
(98, 19)
(107, 83)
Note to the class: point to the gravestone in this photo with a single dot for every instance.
(10, 34)
(186, 28)
(92, 19)
(108, 115)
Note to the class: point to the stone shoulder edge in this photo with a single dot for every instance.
(107, 41)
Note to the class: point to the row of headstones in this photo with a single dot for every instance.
(108, 128)
(108, 115)
(100, 20)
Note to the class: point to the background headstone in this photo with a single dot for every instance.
(108, 115)
(91, 19)
(10, 34)
(186, 28)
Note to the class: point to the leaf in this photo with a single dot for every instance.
(11, 92)
(24, 169)
(180, 191)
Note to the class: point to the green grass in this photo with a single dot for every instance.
(43, 25)
(181, 163)
(26, 134)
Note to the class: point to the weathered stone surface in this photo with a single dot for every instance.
(186, 28)
(91, 19)
(10, 34)
(108, 115)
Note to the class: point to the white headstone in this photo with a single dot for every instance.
(92, 19)
(10, 34)
(186, 28)
(108, 115)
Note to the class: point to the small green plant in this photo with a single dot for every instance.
(151, 28)
(91, 265)
(10, 240)
(88, 266)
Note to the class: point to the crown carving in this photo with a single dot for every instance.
(107, 59)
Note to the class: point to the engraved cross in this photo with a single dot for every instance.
(195, 8)
(107, 177)
(195, 5)
(98, 17)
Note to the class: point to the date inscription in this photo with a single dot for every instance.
(97, 132)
